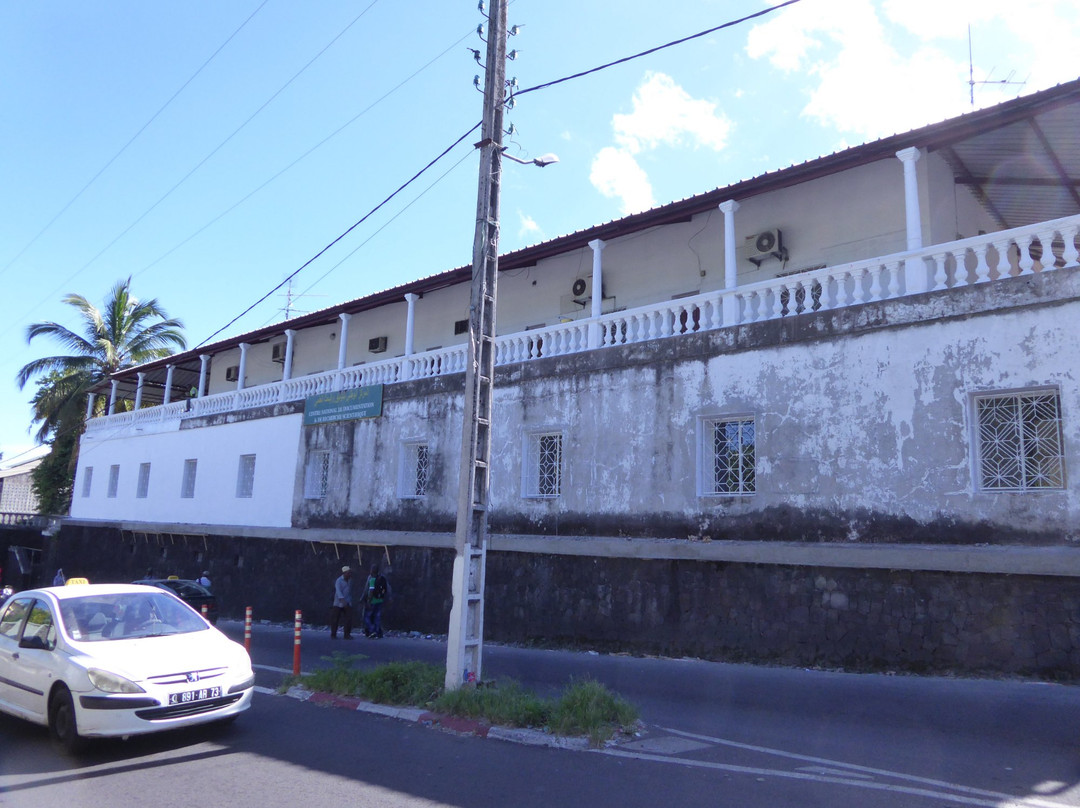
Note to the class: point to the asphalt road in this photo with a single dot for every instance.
(716, 735)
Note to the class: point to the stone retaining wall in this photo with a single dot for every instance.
(855, 619)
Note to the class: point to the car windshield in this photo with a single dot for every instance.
(101, 618)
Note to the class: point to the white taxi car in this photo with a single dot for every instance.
(107, 660)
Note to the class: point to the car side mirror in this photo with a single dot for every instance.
(34, 641)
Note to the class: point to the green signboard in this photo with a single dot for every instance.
(361, 402)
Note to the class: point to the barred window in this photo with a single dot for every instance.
(317, 475)
(727, 457)
(543, 465)
(245, 476)
(187, 483)
(415, 470)
(1019, 441)
(88, 477)
(114, 481)
(144, 481)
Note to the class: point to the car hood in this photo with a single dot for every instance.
(145, 657)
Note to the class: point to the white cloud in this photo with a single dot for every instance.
(875, 68)
(615, 173)
(662, 114)
(527, 225)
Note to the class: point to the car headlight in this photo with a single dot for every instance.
(111, 682)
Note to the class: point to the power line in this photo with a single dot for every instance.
(303, 156)
(133, 138)
(205, 159)
(546, 85)
(625, 59)
(363, 219)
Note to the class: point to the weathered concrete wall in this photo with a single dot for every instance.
(857, 619)
(863, 422)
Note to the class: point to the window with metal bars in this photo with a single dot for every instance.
(245, 477)
(543, 466)
(1019, 442)
(415, 470)
(143, 487)
(727, 457)
(187, 483)
(317, 475)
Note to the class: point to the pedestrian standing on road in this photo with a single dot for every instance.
(341, 611)
(204, 579)
(375, 595)
(59, 579)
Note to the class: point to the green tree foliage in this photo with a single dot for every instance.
(123, 333)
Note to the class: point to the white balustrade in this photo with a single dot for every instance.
(1022, 251)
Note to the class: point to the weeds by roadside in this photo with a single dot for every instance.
(585, 707)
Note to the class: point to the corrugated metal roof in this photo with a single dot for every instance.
(1021, 157)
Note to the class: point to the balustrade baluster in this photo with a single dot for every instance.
(1027, 262)
(1071, 254)
(893, 289)
(875, 283)
(982, 269)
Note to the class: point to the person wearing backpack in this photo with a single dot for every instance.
(378, 590)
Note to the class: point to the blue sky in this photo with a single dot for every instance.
(210, 149)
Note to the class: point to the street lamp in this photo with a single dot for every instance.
(542, 160)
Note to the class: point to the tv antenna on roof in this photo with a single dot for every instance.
(971, 74)
(289, 297)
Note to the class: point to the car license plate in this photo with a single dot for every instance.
(188, 696)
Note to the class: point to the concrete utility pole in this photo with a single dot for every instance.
(464, 653)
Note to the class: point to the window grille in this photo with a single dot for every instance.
(1019, 441)
(114, 481)
(415, 470)
(187, 484)
(144, 481)
(245, 477)
(87, 479)
(544, 465)
(317, 475)
(728, 459)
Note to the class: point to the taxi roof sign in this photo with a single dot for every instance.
(76, 581)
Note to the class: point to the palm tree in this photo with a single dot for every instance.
(125, 332)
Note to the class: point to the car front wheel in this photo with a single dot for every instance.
(63, 727)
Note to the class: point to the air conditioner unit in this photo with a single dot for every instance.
(766, 244)
(581, 289)
(377, 344)
(277, 352)
(232, 373)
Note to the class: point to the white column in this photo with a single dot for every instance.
(112, 396)
(731, 269)
(167, 397)
(410, 322)
(597, 290)
(290, 341)
(344, 340)
(244, 346)
(204, 364)
(90, 406)
(139, 389)
(911, 198)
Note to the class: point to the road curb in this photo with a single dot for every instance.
(447, 723)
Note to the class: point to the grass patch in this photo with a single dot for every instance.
(585, 707)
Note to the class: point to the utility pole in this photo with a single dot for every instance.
(464, 653)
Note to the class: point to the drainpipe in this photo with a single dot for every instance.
(731, 273)
(344, 339)
(597, 290)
